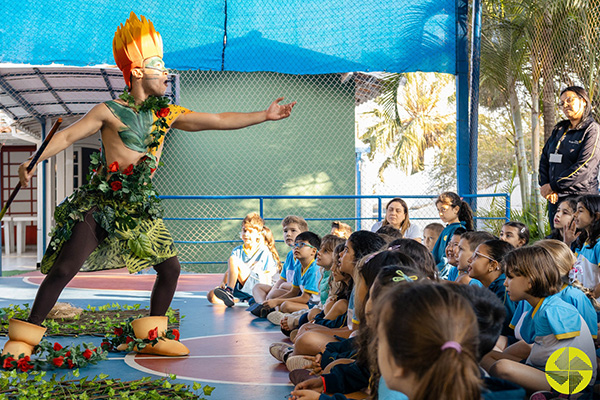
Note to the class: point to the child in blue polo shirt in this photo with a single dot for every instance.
(305, 287)
(532, 275)
(485, 265)
(455, 213)
(292, 227)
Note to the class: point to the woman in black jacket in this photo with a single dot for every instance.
(571, 156)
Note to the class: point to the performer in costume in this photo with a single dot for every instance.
(114, 221)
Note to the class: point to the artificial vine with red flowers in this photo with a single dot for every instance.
(52, 356)
(124, 339)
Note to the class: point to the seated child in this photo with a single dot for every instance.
(450, 270)
(515, 233)
(487, 267)
(249, 264)
(466, 246)
(324, 261)
(431, 233)
(334, 312)
(304, 293)
(532, 275)
(341, 229)
(427, 343)
(455, 213)
(312, 341)
(292, 226)
(563, 221)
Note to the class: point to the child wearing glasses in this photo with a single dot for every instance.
(249, 264)
(486, 265)
(304, 293)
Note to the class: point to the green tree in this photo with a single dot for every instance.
(411, 118)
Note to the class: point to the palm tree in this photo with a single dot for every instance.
(411, 118)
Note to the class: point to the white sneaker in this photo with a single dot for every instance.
(279, 350)
(275, 317)
(297, 362)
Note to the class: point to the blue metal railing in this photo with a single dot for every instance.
(261, 206)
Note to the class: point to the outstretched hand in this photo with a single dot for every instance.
(278, 111)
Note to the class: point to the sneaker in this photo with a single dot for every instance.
(297, 362)
(254, 308)
(275, 317)
(280, 351)
(300, 375)
(265, 311)
(226, 295)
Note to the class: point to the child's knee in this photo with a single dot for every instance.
(285, 307)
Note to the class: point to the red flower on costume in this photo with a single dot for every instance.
(128, 170)
(70, 364)
(176, 334)
(57, 346)
(105, 345)
(8, 362)
(24, 365)
(116, 185)
(152, 170)
(87, 354)
(153, 333)
(114, 167)
(58, 361)
(68, 354)
(163, 112)
(118, 331)
(128, 339)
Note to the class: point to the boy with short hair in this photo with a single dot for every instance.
(305, 287)
(466, 247)
(431, 234)
(450, 270)
(248, 265)
(292, 225)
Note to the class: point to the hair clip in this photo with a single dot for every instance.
(403, 277)
(369, 257)
(523, 230)
(395, 247)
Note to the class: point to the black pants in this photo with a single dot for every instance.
(86, 236)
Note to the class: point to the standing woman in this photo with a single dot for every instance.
(571, 156)
(396, 215)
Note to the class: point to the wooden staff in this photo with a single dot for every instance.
(36, 157)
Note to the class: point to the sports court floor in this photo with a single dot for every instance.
(229, 348)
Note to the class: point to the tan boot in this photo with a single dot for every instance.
(23, 337)
(164, 347)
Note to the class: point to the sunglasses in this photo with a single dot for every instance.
(299, 245)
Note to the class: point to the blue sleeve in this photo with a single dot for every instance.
(311, 280)
(475, 282)
(346, 378)
(564, 322)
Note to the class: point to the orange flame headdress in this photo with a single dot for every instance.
(133, 43)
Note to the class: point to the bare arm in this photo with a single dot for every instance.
(197, 121)
(86, 126)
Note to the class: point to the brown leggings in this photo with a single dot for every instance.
(87, 235)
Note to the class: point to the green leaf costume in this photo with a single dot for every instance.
(124, 203)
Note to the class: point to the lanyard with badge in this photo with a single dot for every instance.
(555, 157)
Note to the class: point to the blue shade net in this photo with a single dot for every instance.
(293, 36)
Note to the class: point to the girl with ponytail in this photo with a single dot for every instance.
(427, 343)
(455, 213)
